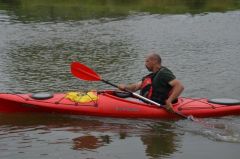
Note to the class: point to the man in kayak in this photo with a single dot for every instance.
(160, 85)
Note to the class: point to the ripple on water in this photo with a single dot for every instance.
(220, 129)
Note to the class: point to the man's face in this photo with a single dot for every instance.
(149, 63)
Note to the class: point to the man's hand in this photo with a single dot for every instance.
(122, 87)
(169, 106)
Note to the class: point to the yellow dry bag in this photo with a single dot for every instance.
(81, 97)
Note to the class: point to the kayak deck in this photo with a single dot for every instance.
(109, 104)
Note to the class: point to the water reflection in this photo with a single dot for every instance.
(88, 135)
(90, 142)
(159, 139)
(162, 142)
(65, 10)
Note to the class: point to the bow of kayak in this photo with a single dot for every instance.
(108, 103)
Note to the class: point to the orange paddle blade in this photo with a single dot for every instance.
(83, 72)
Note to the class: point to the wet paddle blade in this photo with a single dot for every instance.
(83, 72)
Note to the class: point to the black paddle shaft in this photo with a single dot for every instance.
(107, 82)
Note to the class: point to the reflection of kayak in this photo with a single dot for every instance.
(108, 103)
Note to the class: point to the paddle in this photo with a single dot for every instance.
(85, 73)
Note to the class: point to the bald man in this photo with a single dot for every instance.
(160, 85)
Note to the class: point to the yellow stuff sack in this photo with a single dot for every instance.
(81, 97)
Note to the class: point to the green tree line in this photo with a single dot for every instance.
(50, 10)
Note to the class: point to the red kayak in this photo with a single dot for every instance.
(109, 103)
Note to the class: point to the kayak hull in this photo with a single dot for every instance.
(110, 105)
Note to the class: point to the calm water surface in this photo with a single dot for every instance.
(198, 40)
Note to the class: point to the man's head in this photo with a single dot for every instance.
(153, 62)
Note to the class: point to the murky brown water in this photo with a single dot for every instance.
(36, 48)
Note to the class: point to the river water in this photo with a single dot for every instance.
(39, 41)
